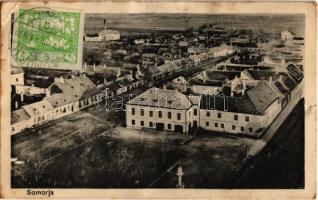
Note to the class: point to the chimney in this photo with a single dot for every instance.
(61, 79)
(244, 87)
(280, 77)
(85, 66)
(283, 62)
(16, 104)
(48, 92)
(22, 97)
(119, 73)
(72, 76)
(204, 76)
(105, 81)
(94, 67)
(233, 86)
(104, 65)
(164, 87)
(270, 79)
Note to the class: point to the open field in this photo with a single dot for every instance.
(177, 22)
(123, 158)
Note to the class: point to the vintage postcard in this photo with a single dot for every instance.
(158, 100)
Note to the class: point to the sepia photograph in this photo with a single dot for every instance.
(156, 100)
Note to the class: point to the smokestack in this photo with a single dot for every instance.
(94, 67)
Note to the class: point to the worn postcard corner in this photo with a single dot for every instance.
(159, 100)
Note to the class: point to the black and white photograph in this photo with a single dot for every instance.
(157, 100)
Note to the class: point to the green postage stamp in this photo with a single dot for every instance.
(47, 38)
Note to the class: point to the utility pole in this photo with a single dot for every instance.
(180, 173)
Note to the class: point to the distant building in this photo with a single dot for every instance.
(287, 35)
(110, 35)
(149, 59)
(106, 35)
(17, 76)
(250, 114)
(179, 83)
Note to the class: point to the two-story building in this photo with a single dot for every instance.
(161, 109)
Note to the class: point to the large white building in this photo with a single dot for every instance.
(162, 109)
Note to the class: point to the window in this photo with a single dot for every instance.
(133, 122)
(178, 116)
(233, 127)
(242, 128)
(222, 125)
(208, 114)
(150, 124)
(150, 113)
(207, 124)
(250, 129)
(247, 118)
(219, 115)
(17, 79)
(142, 112)
(235, 117)
(160, 114)
(142, 123)
(216, 124)
(169, 115)
(133, 111)
(195, 112)
(169, 126)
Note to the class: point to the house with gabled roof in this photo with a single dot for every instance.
(249, 114)
(64, 97)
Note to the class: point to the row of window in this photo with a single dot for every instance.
(195, 112)
(247, 118)
(142, 113)
(142, 123)
(216, 125)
